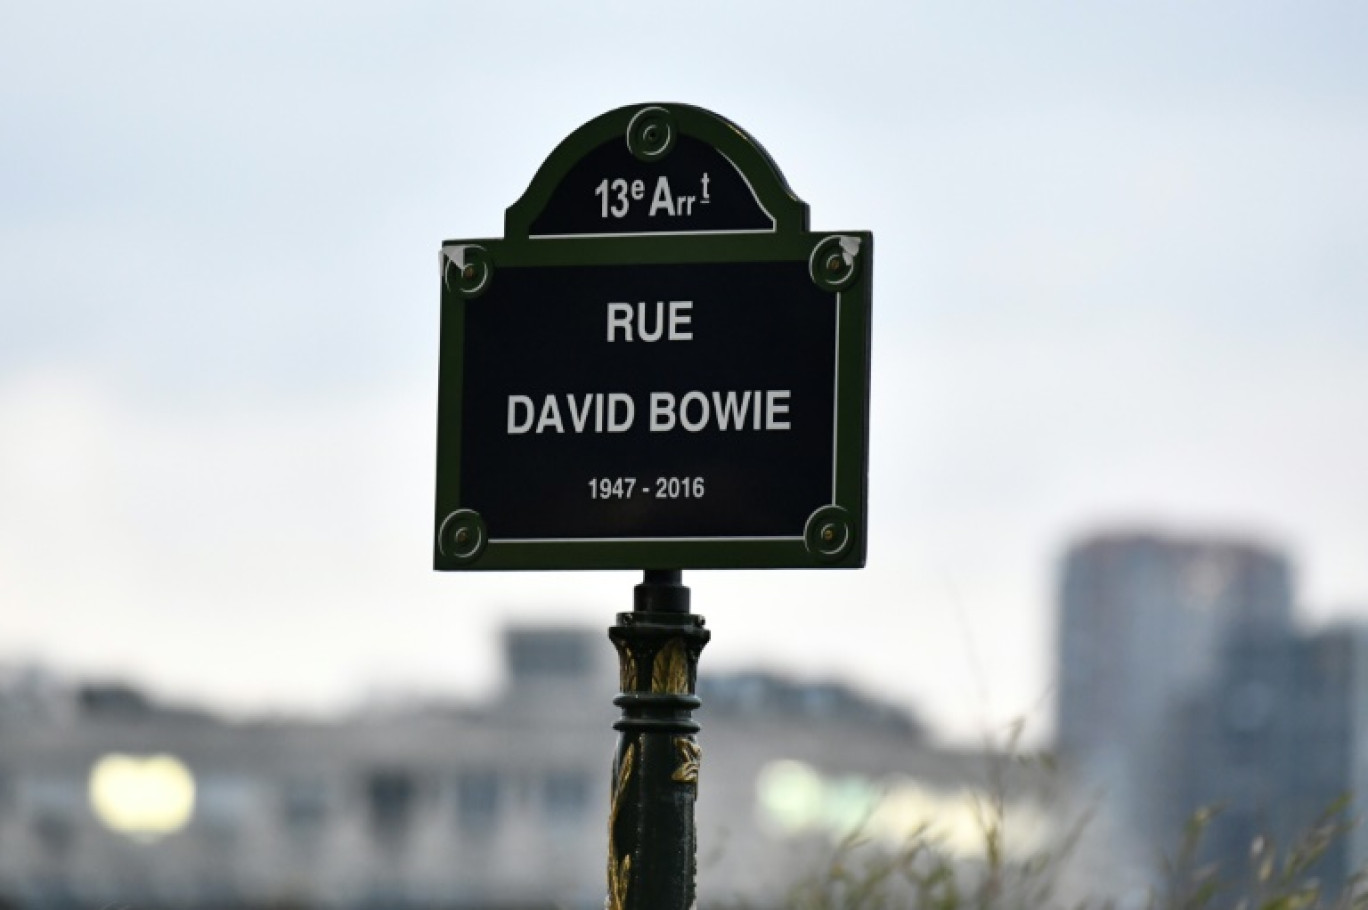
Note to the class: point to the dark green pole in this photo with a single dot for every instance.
(652, 854)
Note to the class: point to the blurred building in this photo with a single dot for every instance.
(107, 797)
(1275, 742)
(1184, 684)
(1142, 622)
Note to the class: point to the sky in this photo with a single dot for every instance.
(1120, 280)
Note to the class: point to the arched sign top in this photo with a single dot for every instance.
(658, 366)
(656, 169)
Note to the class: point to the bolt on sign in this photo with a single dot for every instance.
(659, 366)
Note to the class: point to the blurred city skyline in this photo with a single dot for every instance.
(1120, 284)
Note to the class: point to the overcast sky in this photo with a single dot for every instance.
(1121, 280)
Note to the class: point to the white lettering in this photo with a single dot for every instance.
(773, 409)
(695, 411)
(645, 333)
(619, 316)
(695, 425)
(662, 412)
(680, 316)
(550, 415)
(519, 424)
(624, 423)
(615, 412)
(731, 410)
(649, 323)
(661, 198)
(579, 418)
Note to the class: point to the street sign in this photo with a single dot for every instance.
(658, 367)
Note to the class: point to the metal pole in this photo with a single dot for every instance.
(652, 854)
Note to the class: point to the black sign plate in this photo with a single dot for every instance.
(658, 367)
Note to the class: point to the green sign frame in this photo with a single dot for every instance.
(543, 230)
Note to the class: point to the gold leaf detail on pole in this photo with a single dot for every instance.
(690, 755)
(617, 884)
(626, 669)
(670, 672)
(619, 871)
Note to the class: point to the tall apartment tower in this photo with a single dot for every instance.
(1145, 621)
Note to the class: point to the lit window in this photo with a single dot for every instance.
(144, 796)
